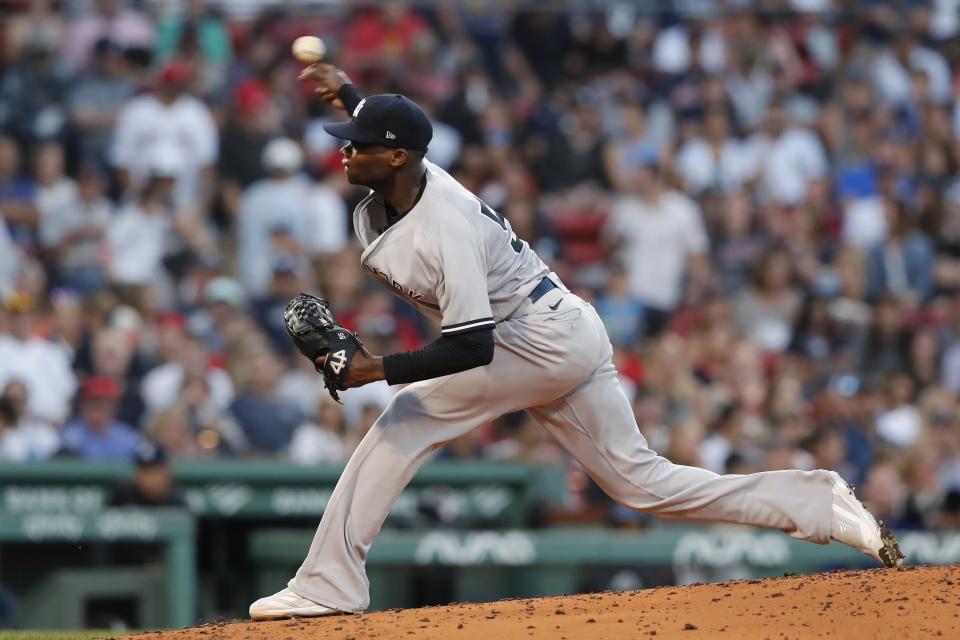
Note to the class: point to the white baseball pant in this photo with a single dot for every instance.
(557, 365)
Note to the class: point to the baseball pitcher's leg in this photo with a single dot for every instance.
(411, 427)
(419, 419)
(596, 424)
(541, 354)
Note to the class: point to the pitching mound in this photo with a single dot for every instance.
(913, 602)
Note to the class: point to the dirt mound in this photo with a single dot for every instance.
(912, 602)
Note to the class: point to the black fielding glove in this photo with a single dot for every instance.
(315, 332)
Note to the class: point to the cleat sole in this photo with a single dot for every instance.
(890, 552)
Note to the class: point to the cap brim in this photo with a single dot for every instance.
(350, 131)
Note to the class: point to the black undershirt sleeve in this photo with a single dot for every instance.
(442, 357)
(350, 96)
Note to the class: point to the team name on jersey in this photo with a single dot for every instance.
(410, 293)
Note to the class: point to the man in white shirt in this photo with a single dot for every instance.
(894, 66)
(124, 25)
(137, 237)
(161, 388)
(715, 160)
(660, 237)
(23, 437)
(789, 158)
(282, 208)
(43, 366)
(168, 117)
(74, 234)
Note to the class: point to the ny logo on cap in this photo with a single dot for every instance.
(358, 107)
(391, 135)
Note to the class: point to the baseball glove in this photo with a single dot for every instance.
(312, 327)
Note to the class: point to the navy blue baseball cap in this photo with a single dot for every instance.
(389, 119)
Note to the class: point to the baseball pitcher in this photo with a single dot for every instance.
(513, 337)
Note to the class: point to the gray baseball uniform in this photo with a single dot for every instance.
(455, 259)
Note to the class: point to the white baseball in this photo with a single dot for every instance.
(309, 49)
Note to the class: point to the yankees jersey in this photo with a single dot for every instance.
(450, 256)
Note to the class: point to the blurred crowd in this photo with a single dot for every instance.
(761, 198)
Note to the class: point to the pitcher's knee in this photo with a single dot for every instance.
(414, 422)
(404, 404)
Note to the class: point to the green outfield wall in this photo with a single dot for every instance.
(462, 493)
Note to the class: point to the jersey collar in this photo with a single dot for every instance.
(393, 216)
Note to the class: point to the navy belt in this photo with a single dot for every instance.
(544, 286)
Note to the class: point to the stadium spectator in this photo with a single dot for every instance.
(40, 21)
(33, 89)
(714, 160)
(792, 157)
(97, 97)
(289, 278)
(321, 439)
(95, 434)
(725, 439)
(114, 356)
(170, 429)
(828, 449)
(884, 491)
(738, 243)
(17, 196)
(621, 312)
(43, 366)
(55, 190)
(25, 438)
(286, 213)
(190, 429)
(894, 67)
(153, 484)
(74, 235)
(658, 234)
(267, 419)
(198, 34)
(252, 123)
(137, 235)
(901, 266)
(222, 318)
(165, 385)
(168, 123)
(767, 309)
(382, 37)
(899, 422)
(106, 19)
(924, 492)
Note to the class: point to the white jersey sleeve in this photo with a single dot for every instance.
(462, 288)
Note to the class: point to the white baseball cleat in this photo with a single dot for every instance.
(855, 526)
(287, 604)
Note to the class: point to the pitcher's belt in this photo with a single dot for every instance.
(542, 287)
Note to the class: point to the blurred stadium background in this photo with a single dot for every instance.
(760, 197)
